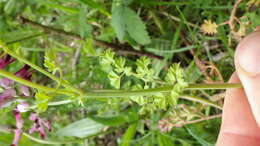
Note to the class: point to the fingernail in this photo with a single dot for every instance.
(248, 53)
(257, 28)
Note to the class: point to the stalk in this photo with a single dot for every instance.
(20, 58)
(33, 85)
(164, 89)
(49, 142)
(119, 93)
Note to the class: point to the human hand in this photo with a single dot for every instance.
(241, 112)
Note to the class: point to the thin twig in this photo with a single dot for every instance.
(197, 121)
(179, 20)
(233, 16)
(231, 24)
(75, 61)
(25, 38)
(200, 100)
(48, 142)
(120, 49)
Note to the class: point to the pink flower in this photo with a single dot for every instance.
(19, 126)
(6, 96)
(19, 122)
(5, 61)
(9, 93)
(39, 125)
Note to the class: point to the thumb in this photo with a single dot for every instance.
(247, 61)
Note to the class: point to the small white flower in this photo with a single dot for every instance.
(23, 107)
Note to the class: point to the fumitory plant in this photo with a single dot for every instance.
(150, 92)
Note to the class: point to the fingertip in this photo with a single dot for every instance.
(248, 68)
(237, 116)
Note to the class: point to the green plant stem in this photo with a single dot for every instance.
(33, 85)
(48, 142)
(25, 38)
(200, 100)
(20, 58)
(164, 89)
(124, 93)
(119, 93)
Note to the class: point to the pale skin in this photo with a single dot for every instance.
(241, 110)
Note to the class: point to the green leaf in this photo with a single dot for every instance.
(108, 57)
(88, 47)
(110, 120)
(118, 21)
(9, 7)
(142, 66)
(114, 79)
(135, 27)
(50, 60)
(195, 135)
(129, 135)
(120, 64)
(164, 140)
(42, 101)
(96, 5)
(125, 20)
(82, 128)
(84, 28)
(116, 120)
(127, 2)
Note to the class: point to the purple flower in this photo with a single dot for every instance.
(5, 61)
(6, 96)
(19, 126)
(25, 74)
(22, 107)
(39, 125)
(17, 137)
(9, 93)
(7, 84)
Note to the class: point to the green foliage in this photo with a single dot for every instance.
(42, 101)
(50, 60)
(118, 22)
(164, 140)
(126, 21)
(114, 79)
(175, 76)
(81, 129)
(128, 135)
(95, 5)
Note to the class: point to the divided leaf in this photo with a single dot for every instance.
(42, 101)
(50, 60)
(114, 79)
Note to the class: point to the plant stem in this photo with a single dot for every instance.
(33, 85)
(48, 142)
(119, 48)
(124, 93)
(198, 120)
(164, 89)
(213, 86)
(20, 58)
(200, 100)
(118, 93)
(25, 38)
